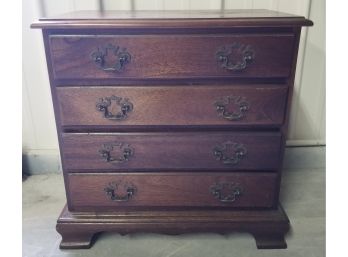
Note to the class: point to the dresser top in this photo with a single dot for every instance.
(172, 19)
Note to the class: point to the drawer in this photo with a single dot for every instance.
(259, 105)
(171, 56)
(92, 191)
(168, 151)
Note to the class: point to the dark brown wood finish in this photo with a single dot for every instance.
(172, 19)
(267, 226)
(55, 108)
(172, 56)
(175, 105)
(171, 151)
(171, 190)
(157, 78)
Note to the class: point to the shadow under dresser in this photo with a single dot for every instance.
(172, 121)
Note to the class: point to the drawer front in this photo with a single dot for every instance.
(173, 105)
(171, 190)
(171, 151)
(171, 56)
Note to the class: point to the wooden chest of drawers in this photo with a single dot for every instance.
(172, 122)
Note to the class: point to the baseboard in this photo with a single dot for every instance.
(307, 157)
(41, 162)
(48, 161)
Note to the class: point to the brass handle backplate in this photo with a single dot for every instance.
(226, 191)
(128, 190)
(119, 58)
(235, 57)
(229, 153)
(104, 105)
(124, 152)
(240, 104)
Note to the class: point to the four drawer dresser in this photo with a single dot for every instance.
(172, 122)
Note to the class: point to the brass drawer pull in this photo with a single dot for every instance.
(125, 152)
(105, 103)
(100, 58)
(241, 104)
(229, 153)
(128, 188)
(226, 192)
(235, 56)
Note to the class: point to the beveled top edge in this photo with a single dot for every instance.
(172, 19)
(169, 14)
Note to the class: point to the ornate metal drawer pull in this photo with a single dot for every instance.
(125, 149)
(240, 102)
(128, 188)
(122, 58)
(230, 153)
(226, 192)
(235, 57)
(125, 105)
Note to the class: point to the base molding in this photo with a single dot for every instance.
(78, 229)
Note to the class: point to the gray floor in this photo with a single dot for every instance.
(303, 198)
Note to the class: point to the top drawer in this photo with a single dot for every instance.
(171, 56)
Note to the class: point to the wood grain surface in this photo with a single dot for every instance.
(170, 151)
(173, 105)
(173, 79)
(170, 19)
(268, 226)
(170, 189)
(170, 56)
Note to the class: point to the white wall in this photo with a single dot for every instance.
(307, 119)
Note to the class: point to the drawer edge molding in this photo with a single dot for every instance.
(226, 190)
(225, 105)
(112, 152)
(173, 56)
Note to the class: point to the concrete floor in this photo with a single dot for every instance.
(302, 196)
